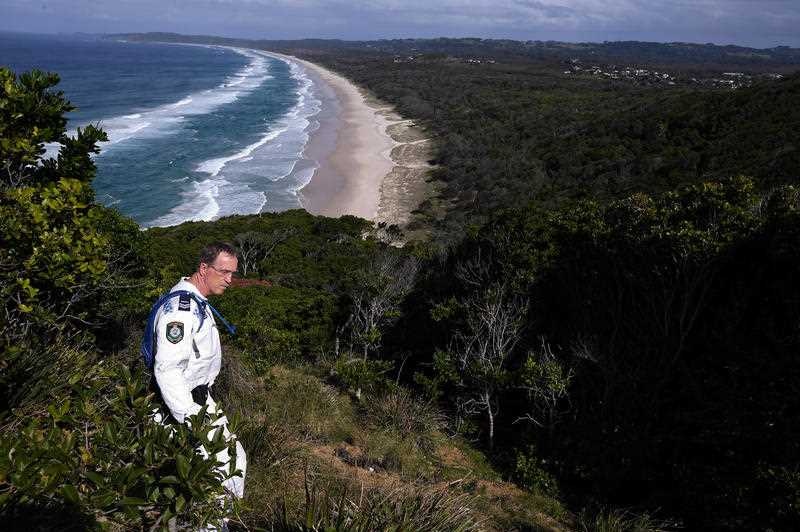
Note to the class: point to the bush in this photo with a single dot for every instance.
(530, 475)
(53, 256)
(279, 324)
(676, 318)
(97, 457)
(267, 346)
(358, 375)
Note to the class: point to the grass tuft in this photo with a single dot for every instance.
(408, 508)
(620, 520)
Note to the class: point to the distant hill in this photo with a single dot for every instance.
(687, 55)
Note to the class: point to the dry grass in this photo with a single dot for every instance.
(316, 461)
(620, 520)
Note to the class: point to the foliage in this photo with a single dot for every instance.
(306, 408)
(53, 252)
(546, 382)
(480, 353)
(279, 324)
(97, 457)
(253, 247)
(663, 307)
(61, 255)
(359, 375)
(531, 474)
(319, 253)
(521, 130)
(402, 432)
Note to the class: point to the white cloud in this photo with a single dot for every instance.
(749, 22)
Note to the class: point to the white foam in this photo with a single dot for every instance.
(204, 202)
(185, 101)
(166, 118)
(201, 205)
(237, 182)
(303, 177)
(213, 166)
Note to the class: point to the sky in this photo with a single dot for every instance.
(756, 23)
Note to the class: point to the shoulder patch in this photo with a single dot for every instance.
(185, 302)
(175, 331)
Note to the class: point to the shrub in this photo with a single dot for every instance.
(278, 324)
(358, 375)
(267, 345)
(531, 476)
(97, 457)
(53, 255)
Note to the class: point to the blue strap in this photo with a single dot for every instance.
(148, 344)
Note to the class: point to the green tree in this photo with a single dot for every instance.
(52, 256)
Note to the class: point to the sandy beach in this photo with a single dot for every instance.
(370, 161)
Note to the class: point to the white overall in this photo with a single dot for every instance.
(187, 356)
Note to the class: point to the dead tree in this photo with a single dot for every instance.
(378, 290)
(494, 320)
(249, 246)
(254, 246)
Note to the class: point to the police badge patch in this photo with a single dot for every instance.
(175, 331)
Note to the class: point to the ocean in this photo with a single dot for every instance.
(195, 132)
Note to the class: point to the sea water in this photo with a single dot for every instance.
(195, 132)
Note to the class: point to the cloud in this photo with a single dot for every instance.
(765, 22)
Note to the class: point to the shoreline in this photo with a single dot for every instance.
(360, 158)
(370, 162)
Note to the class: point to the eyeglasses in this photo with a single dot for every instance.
(225, 273)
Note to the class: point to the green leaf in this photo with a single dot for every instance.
(70, 494)
(171, 479)
(135, 473)
(99, 480)
(183, 466)
(133, 501)
(104, 499)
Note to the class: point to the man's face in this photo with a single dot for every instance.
(219, 274)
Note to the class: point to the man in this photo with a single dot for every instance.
(188, 355)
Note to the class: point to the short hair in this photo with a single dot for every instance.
(210, 253)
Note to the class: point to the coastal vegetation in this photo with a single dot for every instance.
(598, 333)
